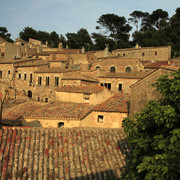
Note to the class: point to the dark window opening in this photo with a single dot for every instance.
(47, 80)
(98, 67)
(100, 118)
(128, 69)
(112, 69)
(109, 86)
(46, 99)
(143, 54)
(105, 84)
(124, 54)
(39, 80)
(30, 78)
(120, 87)
(9, 72)
(1, 74)
(25, 76)
(38, 98)
(56, 81)
(30, 94)
(155, 53)
(61, 124)
(19, 76)
(101, 84)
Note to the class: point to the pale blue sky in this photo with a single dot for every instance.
(65, 16)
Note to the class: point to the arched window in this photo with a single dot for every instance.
(30, 94)
(98, 67)
(128, 69)
(61, 124)
(112, 69)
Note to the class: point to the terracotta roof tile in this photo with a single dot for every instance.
(132, 75)
(52, 70)
(42, 153)
(156, 64)
(117, 103)
(80, 89)
(62, 110)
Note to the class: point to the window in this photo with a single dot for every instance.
(105, 84)
(46, 99)
(101, 84)
(143, 54)
(128, 69)
(86, 100)
(47, 80)
(56, 81)
(0, 74)
(120, 87)
(19, 76)
(100, 118)
(112, 69)
(124, 54)
(155, 53)
(25, 76)
(61, 124)
(30, 78)
(38, 98)
(39, 80)
(9, 72)
(109, 86)
(98, 67)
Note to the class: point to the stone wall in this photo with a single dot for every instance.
(110, 120)
(146, 53)
(142, 91)
(126, 83)
(119, 64)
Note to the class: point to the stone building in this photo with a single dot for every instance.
(120, 65)
(162, 53)
(120, 82)
(142, 91)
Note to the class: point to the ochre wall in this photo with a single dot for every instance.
(126, 83)
(163, 53)
(142, 91)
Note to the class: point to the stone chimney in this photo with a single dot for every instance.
(67, 46)
(82, 50)
(137, 46)
(60, 47)
(106, 50)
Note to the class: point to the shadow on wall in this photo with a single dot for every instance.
(34, 123)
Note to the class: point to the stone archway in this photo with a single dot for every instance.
(30, 94)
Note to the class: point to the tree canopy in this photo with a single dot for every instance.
(5, 35)
(153, 135)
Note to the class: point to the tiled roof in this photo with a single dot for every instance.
(17, 110)
(42, 153)
(132, 75)
(62, 110)
(156, 64)
(78, 76)
(117, 103)
(52, 70)
(80, 89)
(32, 64)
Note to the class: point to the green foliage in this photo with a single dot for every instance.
(153, 135)
(79, 39)
(5, 35)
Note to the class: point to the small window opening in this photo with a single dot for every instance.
(61, 124)
(46, 99)
(120, 87)
(100, 118)
(143, 54)
(128, 69)
(112, 69)
(39, 80)
(19, 76)
(25, 76)
(155, 53)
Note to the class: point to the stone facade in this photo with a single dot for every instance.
(142, 91)
(162, 53)
(118, 64)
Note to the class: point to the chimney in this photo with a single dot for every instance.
(82, 50)
(106, 50)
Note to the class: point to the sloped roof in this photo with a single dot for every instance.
(156, 64)
(132, 75)
(117, 103)
(62, 110)
(80, 89)
(17, 109)
(42, 153)
(52, 70)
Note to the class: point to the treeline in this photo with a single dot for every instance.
(155, 29)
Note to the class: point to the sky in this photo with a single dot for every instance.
(68, 16)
